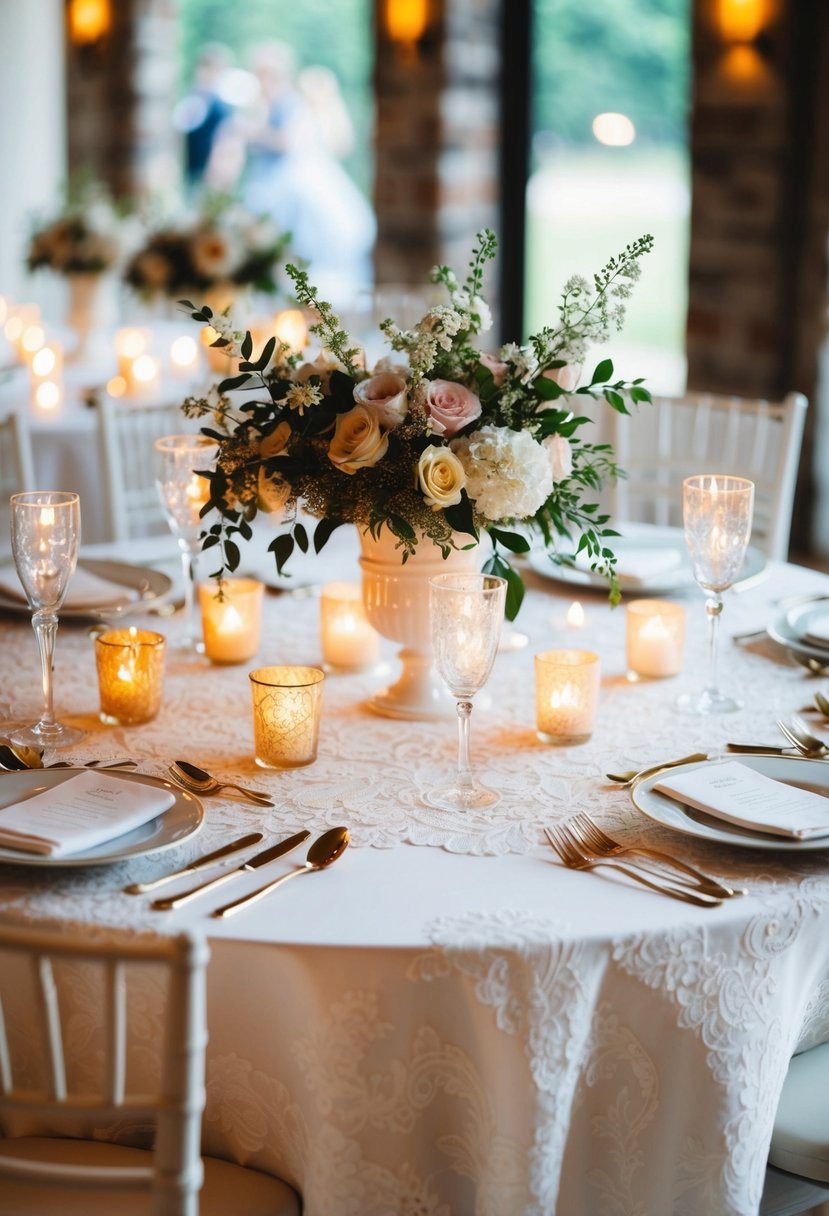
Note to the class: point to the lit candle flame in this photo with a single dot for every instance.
(575, 615)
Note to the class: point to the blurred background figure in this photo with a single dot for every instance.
(200, 114)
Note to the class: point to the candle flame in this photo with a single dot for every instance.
(231, 621)
(47, 517)
(565, 697)
(575, 615)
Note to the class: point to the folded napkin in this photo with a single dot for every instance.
(80, 813)
(817, 630)
(86, 590)
(641, 565)
(738, 794)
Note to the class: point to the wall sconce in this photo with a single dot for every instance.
(741, 20)
(406, 22)
(741, 25)
(89, 21)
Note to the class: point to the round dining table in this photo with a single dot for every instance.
(448, 1021)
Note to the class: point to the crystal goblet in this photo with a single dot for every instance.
(183, 494)
(45, 535)
(717, 512)
(467, 611)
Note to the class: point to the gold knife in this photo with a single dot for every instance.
(200, 863)
(253, 863)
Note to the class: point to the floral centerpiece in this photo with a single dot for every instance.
(439, 441)
(87, 236)
(221, 249)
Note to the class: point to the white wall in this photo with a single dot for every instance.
(32, 131)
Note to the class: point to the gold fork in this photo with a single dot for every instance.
(574, 858)
(597, 843)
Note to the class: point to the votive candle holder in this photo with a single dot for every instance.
(130, 665)
(231, 617)
(349, 643)
(287, 703)
(566, 695)
(655, 632)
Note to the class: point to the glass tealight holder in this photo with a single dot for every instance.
(287, 702)
(349, 643)
(655, 639)
(130, 665)
(566, 695)
(231, 617)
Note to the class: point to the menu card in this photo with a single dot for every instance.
(738, 794)
(80, 813)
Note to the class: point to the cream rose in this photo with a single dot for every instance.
(441, 477)
(275, 443)
(451, 407)
(496, 366)
(566, 377)
(385, 395)
(358, 442)
(560, 455)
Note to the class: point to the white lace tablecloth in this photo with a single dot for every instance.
(465, 1026)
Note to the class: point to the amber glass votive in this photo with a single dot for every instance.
(566, 695)
(231, 618)
(655, 638)
(130, 666)
(287, 702)
(348, 640)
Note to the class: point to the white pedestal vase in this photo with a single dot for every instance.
(396, 598)
(92, 313)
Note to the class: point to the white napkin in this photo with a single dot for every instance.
(738, 794)
(80, 813)
(86, 590)
(818, 630)
(641, 565)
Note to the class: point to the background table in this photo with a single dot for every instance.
(448, 1021)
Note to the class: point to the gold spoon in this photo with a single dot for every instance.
(822, 703)
(631, 775)
(323, 852)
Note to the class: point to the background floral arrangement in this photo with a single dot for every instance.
(438, 442)
(88, 236)
(224, 246)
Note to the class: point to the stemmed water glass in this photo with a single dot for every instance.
(183, 493)
(45, 535)
(717, 513)
(467, 611)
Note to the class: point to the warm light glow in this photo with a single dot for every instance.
(47, 395)
(184, 352)
(406, 20)
(13, 328)
(741, 20)
(231, 621)
(145, 369)
(564, 697)
(291, 329)
(743, 65)
(209, 335)
(47, 517)
(43, 363)
(4, 310)
(198, 490)
(89, 20)
(614, 130)
(575, 615)
(33, 338)
(131, 342)
(117, 386)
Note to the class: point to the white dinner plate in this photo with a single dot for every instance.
(793, 770)
(150, 586)
(784, 632)
(183, 819)
(660, 551)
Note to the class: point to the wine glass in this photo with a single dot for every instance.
(466, 614)
(717, 512)
(183, 493)
(45, 534)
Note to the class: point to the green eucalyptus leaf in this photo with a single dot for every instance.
(510, 540)
(603, 372)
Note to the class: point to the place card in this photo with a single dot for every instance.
(738, 794)
(80, 813)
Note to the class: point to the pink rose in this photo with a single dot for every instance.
(385, 396)
(498, 369)
(560, 455)
(451, 407)
(566, 377)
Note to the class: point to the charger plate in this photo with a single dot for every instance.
(788, 629)
(184, 818)
(793, 770)
(150, 586)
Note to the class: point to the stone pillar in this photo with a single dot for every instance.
(33, 130)
(436, 146)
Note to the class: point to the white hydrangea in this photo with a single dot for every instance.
(508, 474)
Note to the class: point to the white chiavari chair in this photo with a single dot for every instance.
(797, 1179)
(57, 1173)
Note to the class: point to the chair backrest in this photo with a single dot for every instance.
(107, 966)
(661, 444)
(16, 468)
(127, 432)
